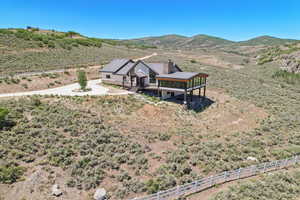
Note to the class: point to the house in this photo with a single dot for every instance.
(165, 78)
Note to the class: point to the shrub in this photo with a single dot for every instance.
(3, 114)
(288, 77)
(82, 79)
(10, 173)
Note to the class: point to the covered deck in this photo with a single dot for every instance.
(183, 82)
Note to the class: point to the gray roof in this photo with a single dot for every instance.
(125, 69)
(159, 68)
(179, 75)
(115, 65)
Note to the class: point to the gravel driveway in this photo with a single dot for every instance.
(97, 90)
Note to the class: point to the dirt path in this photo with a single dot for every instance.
(146, 57)
(70, 69)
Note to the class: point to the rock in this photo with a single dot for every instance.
(56, 191)
(252, 158)
(290, 63)
(100, 194)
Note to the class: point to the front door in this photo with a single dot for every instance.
(140, 82)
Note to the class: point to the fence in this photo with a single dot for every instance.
(226, 176)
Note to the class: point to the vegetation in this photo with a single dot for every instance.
(82, 79)
(274, 53)
(96, 140)
(3, 114)
(24, 50)
(288, 77)
(275, 187)
(10, 173)
(267, 40)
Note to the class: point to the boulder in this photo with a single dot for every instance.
(56, 191)
(100, 194)
(252, 158)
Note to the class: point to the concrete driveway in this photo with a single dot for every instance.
(68, 90)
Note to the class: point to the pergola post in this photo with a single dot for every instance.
(204, 94)
(158, 85)
(123, 83)
(185, 93)
(192, 91)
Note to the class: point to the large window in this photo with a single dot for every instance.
(152, 77)
(172, 84)
(197, 82)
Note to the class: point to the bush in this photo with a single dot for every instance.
(288, 77)
(3, 114)
(82, 79)
(10, 174)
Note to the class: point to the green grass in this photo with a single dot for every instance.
(10, 173)
(25, 51)
(288, 77)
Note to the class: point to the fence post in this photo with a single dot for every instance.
(276, 164)
(211, 180)
(254, 170)
(158, 195)
(239, 174)
(195, 186)
(225, 176)
(264, 170)
(285, 163)
(178, 190)
(296, 157)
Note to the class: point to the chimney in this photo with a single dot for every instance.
(170, 66)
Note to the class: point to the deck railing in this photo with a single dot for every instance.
(223, 177)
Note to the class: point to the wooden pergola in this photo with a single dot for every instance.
(186, 82)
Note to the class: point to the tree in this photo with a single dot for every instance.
(3, 114)
(82, 80)
(71, 34)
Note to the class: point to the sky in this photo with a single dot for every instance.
(123, 19)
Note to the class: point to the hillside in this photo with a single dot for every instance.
(288, 56)
(166, 41)
(205, 41)
(132, 147)
(266, 40)
(35, 50)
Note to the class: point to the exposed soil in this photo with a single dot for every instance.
(52, 80)
(226, 115)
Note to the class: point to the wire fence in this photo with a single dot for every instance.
(223, 177)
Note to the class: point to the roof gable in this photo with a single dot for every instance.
(115, 65)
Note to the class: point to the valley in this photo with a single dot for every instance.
(137, 144)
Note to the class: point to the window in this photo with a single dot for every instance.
(172, 84)
(152, 77)
(107, 76)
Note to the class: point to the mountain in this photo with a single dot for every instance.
(179, 41)
(201, 41)
(266, 40)
(206, 41)
(165, 41)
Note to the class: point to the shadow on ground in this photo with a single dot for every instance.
(196, 103)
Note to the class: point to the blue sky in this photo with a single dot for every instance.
(230, 19)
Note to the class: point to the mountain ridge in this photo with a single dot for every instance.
(203, 40)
